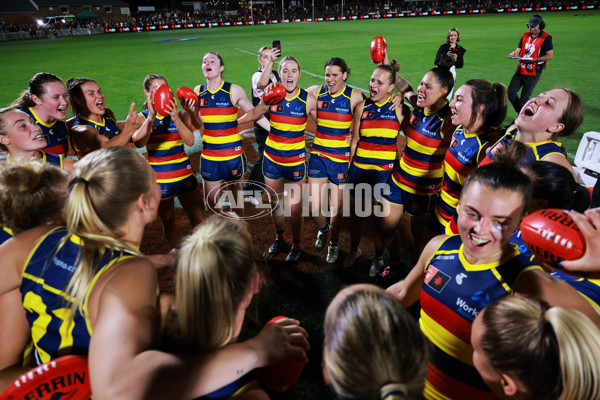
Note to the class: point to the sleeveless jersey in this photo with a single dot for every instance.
(5, 234)
(334, 117)
(54, 159)
(588, 288)
(220, 139)
(285, 144)
(56, 134)
(379, 130)
(420, 170)
(454, 292)
(530, 47)
(535, 151)
(165, 151)
(460, 160)
(45, 276)
(108, 126)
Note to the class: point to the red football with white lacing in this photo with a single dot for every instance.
(163, 95)
(281, 376)
(185, 93)
(65, 377)
(378, 46)
(552, 235)
(274, 94)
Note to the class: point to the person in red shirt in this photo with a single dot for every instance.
(534, 49)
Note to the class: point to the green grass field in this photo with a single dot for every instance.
(119, 62)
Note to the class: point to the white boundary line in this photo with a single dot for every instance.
(306, 72)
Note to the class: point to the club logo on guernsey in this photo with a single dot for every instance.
(436, 279)
(459, 278)
(367, 114)
(414, 121)
(51, 132)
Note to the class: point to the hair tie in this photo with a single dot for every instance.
(79, 179)
(391, 388)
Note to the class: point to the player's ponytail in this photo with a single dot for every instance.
(444, 76)
(36, 87)
(493, 98)
(556, 184)
(392, 69)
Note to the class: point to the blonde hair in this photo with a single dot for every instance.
(553, 352)
(214, 272)
(286, 59)
(105, 185)
(31, 194)
(373, 348)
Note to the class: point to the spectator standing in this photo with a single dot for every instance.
(534, 49)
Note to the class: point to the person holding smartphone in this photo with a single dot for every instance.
(260, 79)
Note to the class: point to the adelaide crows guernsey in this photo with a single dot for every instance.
(379, 129)
(56, 133)
(54, 159)
(285, 144)
(535, 151)
(454, 292)
(45, 277)
(588, 288)
(165, 151)
(462, 157)
(334, 117)
(420, 170)
(220, 139)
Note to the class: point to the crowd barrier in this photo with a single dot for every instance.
(404, 14)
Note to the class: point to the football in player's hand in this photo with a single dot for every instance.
(185, 93)
(274, 94)
(163, 95)
(378, 47)
(281, 376)
(552, 235)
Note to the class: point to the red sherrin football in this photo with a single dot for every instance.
(64, 377)
(185, 93)
(274, 95)
(281, 376)
(552, 235)
(378, 45)
(163, 95)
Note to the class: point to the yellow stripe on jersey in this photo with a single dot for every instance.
(288, 127)
(328, 123)
(38, 330)
(330, 142)
(431, 393)
(437, 173)
(213, 119)
(221, 139)
(380, 155)
(164, 145)
(374, 167)
(445, 340)
(284, 146)
(379, 132)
